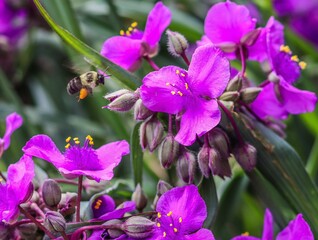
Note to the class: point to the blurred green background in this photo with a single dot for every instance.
(34, 85)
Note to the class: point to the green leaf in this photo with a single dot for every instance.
(207, 190)
(96, 59)
(136, 155)
(278, 163)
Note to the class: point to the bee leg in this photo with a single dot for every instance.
(84, 92)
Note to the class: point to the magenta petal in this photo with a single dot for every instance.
(258, 51)
(42, 146)
(228, 22)
(119, 212)
(124, 51)
(158, 20)
(111, 153)
(200, 117)
(202, 234)
(268, 231)
(13, 121)
(297, 101)
(156, 91)
(247, 238)
(209, 71)
(297, 229)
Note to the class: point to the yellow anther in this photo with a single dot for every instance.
(77, 142)
(130, 29)
(180, 93)
(180, 219)
(302, 65)
(169, 213)
(245, 234)
(75, 139)
(182, 74)
(167, 84)
(1, 179)
(173, 92)
(67, 146)
(89, 137)
(164, 234)
(158, 215)
(177, 71)
(186, 86)
(91, 143)
(285, 49)
(175, 230)
(68, 139)
(158, 225)
(295, 58)
(122, 32)
(134, 24)
(170, 225)
(127, 33)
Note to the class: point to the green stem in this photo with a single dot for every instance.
(312, 163)
(79, 196)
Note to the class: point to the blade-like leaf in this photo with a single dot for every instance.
(136, 155)
(116, 71)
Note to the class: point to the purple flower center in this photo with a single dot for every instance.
(169, 224)
(82, 155)
(179, 88)
(132, 32)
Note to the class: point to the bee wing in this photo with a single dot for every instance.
(103, 72)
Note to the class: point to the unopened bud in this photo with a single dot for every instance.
(114, 232)
(246, 156)
(219, 140)
(186, 165)
(220, 166)
(68, 203)
(163, 187)
(138, 227)
(235, 84)
(272, 77)
(141, 112)
(177, 43)
(251, 37)
(114, 95)
(27, 230)
(151, 132)
(205, 155)
(248, 95)
(169, 151)
(230, 96)
(124, 102)
(51, 193)
(139, 198)
(55, 222)
(227, 47)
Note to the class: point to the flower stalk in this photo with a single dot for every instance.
(78, 201)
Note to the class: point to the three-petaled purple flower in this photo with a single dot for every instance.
(13, 121)
(297, 229)
(127, 50)
(17, 189)
(79, 160)
(191, 93)
(181, 213)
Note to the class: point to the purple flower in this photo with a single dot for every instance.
(191, 93)
(13, 121)
(13, 23)
(181, 213)
(297, 229)
(293, 7)
(79, 160)
(17, 189)
(127, 50)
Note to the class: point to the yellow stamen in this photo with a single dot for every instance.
(173, 92)
(169, 213)
(285, 49)
(77, 142)
(177, 71)
(180, 93)
(75, 139)
(158, 225)
(158, 215)
(122, 32)
(180, 219)
(186, 86)
(167, 84)
(295, 58)
(182, 74)
(175, 230)
(302, 65)
(130, 29)
(134, 24)
(89, 137)
(127, 33)
(91, 143)
(68, 139)
(164, 234)
(170, 224)
(67, 146)
(245, 234)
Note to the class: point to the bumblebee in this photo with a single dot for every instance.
(84, 84)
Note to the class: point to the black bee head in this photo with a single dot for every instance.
(101, 78)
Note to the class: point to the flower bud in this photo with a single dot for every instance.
(163, 187)
(123, 103)
(177, 43)
(248, 95)
(55, 222)
(220, 166)
(220, 141)
(205, 155)
(272, 77)
(114, 95)
(251, 37)
(5, 231)
(51, 193)
(138, 227)
(230, 96)
(227, 47)
(139, 198)
(27, 231)
(235, 84)
(246, 156)
(169, 151)
(140, 111)
(151, 132)
(68, 203)
(186, 165)
(114, 232)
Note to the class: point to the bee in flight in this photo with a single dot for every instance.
(84, 84)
